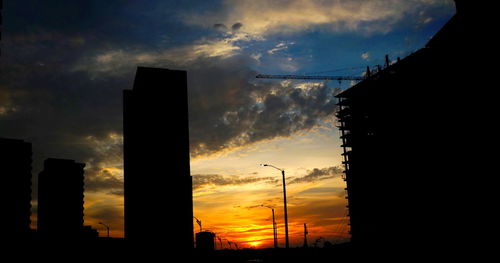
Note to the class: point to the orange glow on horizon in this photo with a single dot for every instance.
(230, 204)
(249, 224)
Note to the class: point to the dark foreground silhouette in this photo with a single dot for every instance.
(105, 250)
(417, 137)
(412, 134)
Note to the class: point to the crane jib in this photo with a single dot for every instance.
(263, 76)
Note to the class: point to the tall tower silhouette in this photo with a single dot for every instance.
(60, 199)
(158, 184)
(15, 195)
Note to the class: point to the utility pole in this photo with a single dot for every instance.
(287, 244)
(220, 241)
(275, 227)
(275, 231)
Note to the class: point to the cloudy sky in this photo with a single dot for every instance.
(64, 65)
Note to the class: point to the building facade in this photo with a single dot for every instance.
(61, 199)
(408, 148)
(1, 18)
(15, 196)
(158, 184)
(205, 241)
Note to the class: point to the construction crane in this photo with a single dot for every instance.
(368, 73)
(308, 77)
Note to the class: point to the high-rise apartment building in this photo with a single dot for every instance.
(158, 184)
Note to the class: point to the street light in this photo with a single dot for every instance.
(107, 227)
(198, 221)
(284, 198)
(275, 231)
(220, 241)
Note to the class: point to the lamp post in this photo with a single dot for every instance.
(220, 241)
(198, 221)
(275, 231)
(107, 227)
(284, 201)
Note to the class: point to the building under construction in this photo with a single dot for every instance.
(410, 134)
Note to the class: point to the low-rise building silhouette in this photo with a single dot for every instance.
(15, 195)
(205, 241)
(158, 184)
(60, 199)
(90, 233)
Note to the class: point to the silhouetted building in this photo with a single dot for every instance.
(60, 199)
(15, 193)
(158, 184)
(1, 19)
(90, 233)
(205, 241)
(412, 135)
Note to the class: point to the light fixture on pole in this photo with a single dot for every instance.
(198, 221)
(284, 201)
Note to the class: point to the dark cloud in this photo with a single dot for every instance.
(220, 27)
(102, 212)
(323, 190)
(70, 112)
(201, 181)
(119, 192)
(104, 23)
(318, 175)
(60, 14)
(97, 179)
(64, 113)
(236, 26)
(229, 108)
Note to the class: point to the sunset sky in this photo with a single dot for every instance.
(64, 65)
